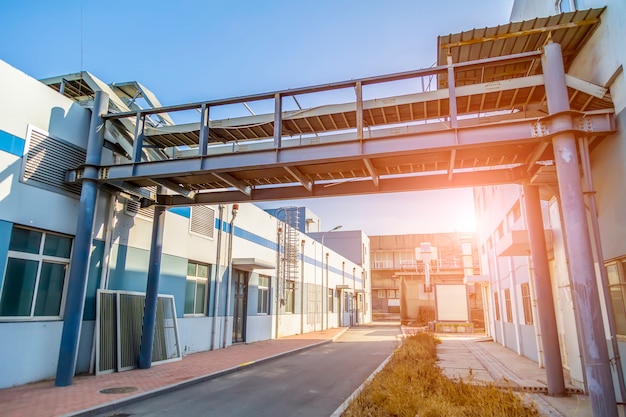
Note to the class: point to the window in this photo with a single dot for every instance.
(263, 305)
(196, 289)
(331, 301)
(526, 302)
(616, 272)
(36, 272)
(393, 293)
(507, 305)
(496, 305)
(289, 292)
(381, 293)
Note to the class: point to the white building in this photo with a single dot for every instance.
(235, 273)
(504, 214)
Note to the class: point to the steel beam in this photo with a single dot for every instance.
(371, 170)
(578, 243)
(543, 290)
(517, 131)
(138, 137)
(79, 264)
(152, 289)
(203, 140)
(386, 185)
(233, 182)
(278, 121)
(306, 182)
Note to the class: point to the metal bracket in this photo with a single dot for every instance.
(539, 129)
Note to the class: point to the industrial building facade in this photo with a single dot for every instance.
(518, 224)
(403, 289)
(228, 273)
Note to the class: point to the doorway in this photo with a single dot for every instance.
(240, 306)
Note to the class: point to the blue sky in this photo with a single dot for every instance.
(193, 50)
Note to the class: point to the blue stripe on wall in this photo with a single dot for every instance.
(181, 211)
(11, 144)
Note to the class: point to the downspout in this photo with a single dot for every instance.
(218, 277)
(302, 288)
(230, 272)
(583, 144)
(278, 279)
(104, 275)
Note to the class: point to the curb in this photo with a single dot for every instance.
(103, 408)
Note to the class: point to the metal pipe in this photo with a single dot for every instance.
(79, 264)
(302, 288)
(586, 297)
(593, 211)
(279, 268)
(218, 277)
(230, 271)
(543, 288)
(104, 273)
(152, 288)
(326, 294)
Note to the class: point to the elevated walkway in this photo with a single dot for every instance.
(486, 123)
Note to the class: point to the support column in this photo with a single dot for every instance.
(79, 264)
(152, 288)
(586, 297)
(543, 290)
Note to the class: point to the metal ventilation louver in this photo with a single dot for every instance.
(47, 159)
(202, 221)
(133, 208)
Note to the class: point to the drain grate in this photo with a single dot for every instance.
(117, 390)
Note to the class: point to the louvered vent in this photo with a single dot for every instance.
(133, 208)
(46, 161)
(202, 220)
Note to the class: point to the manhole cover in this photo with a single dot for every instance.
(118, 390)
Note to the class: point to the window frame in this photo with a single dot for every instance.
(496, 305)
(290, 286)
(507, 305)
(263, 289)
(527, 303)
(620, 286)
(196, 279)
(331, 301)
(41, 259)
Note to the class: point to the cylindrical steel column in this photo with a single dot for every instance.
(586, 297)
(543, 290)
(79, 264)
(152, 289)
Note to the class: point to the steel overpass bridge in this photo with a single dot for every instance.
(485, 123)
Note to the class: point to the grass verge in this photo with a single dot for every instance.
(412, 385)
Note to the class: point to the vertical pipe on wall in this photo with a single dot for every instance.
(543, 289)
(302, 287)
(152, 288)
(230, 273)
(326, 294)
(586, 297)
(79, 264)
(218, 277)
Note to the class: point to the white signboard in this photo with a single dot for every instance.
(452, 302)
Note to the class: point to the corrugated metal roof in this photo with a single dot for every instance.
(571, 30)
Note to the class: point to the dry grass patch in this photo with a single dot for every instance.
(412, 385)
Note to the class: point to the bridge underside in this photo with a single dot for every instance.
(486, 123)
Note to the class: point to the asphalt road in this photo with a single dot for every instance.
(311, 383)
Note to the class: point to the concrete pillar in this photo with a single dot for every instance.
(586, 297)
(543, 290)
(79, 264)
(152, 289)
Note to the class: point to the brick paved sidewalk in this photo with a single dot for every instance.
(43, 399)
